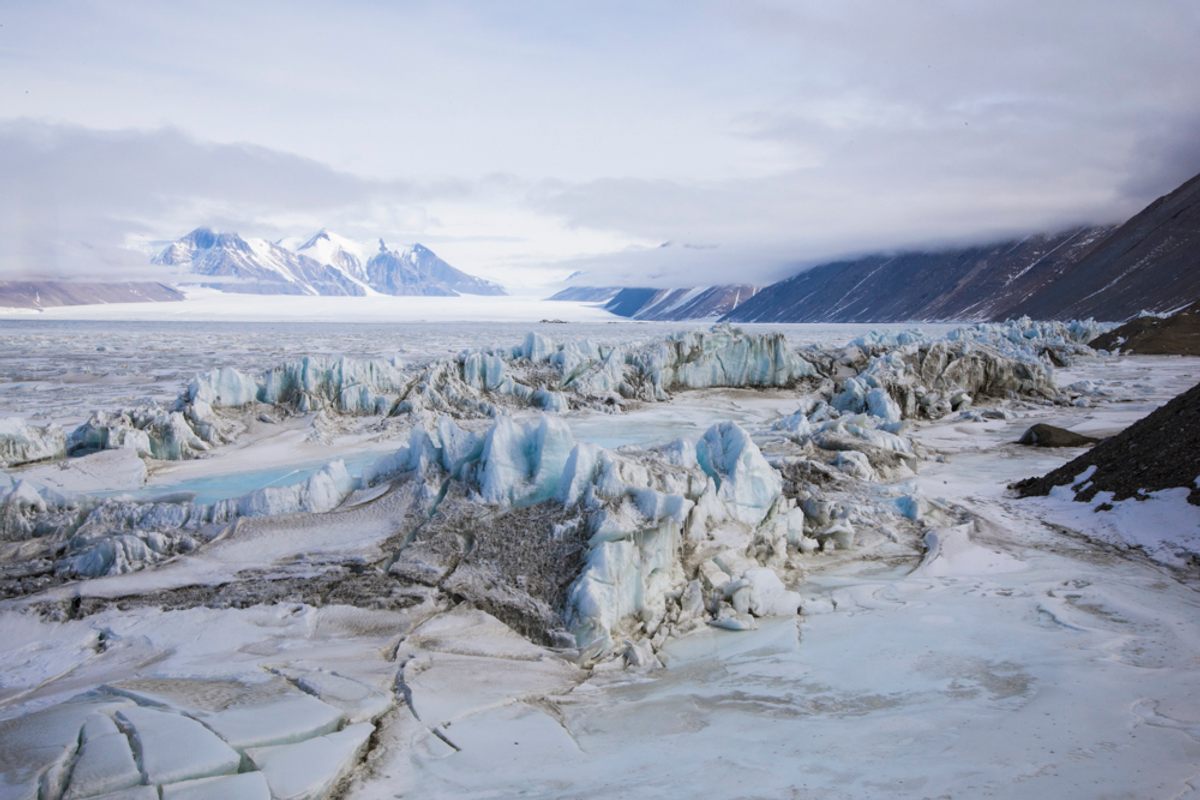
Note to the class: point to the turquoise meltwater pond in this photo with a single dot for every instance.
(213, 488)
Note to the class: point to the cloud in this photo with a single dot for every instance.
(1167, 151)
(529, 142)
(74, 196)
(90, 203)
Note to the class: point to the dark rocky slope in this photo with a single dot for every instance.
(1176, 335)
(678, 304)
(1151, 263)
(971, 283)
(586, 294)
(1159, 451)
(665, 305)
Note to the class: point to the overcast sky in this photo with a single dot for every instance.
(523, 140)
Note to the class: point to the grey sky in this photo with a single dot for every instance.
(522, 140)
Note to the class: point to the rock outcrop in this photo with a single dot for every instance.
(1159, 451)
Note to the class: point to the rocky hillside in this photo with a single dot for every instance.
(1151, 263)
(664, 305)
(1176, 335)
(586, 294)
(970, 283)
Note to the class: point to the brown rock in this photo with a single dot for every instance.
(1043, 435)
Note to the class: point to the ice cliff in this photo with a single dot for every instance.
(641, 518)
(476, 384)
(21, 443)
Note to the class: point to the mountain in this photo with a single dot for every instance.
(254, 266)
(417, 270)
(700, 302)
(969, 283)
(326, 247)
(1151, 263)
(47, 294)
(586, 294)
(323, 264)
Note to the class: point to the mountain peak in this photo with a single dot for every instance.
(202, 237)
(312, 241)
(324, 263)
(325, 235)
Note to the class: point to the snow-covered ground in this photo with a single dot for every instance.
(211, 305)
(1013, 648)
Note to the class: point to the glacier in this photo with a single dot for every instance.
(855, 420)
(498, 604)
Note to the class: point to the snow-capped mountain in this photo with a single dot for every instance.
(327, 247)
(322, 264)
(417, 270)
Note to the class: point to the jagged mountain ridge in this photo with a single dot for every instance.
(322, 264)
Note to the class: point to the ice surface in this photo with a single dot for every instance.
(173, 747)
(246, 786)
(288, 718)
(950, 551)
(105, 764)
(134, 793)
(107, 471)
(62, 360)
(36, 751)
(351, 386)
(523, 463)
(768, 596)
(324, 490)
(477, 383)
(356, 701)
(880, 404)
(307, 770)
(97, 725)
